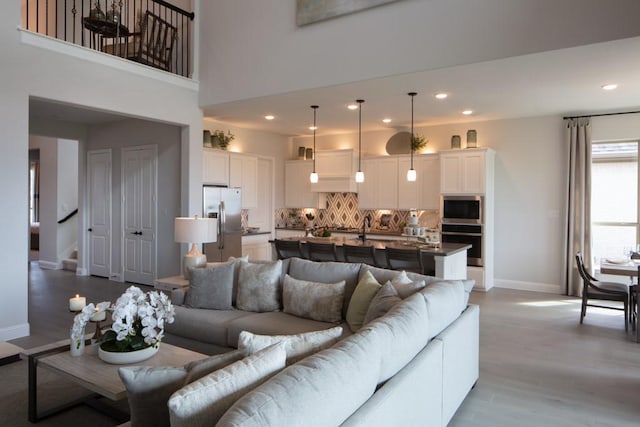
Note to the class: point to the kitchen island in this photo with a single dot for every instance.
(446, 260)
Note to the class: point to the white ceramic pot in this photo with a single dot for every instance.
(128, 357)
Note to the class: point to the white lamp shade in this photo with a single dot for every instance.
(196, 230)
(313, 178)
(359, 176)
(411, 175)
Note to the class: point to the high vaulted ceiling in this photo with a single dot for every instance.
(562, 82)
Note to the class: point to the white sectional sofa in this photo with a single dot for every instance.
(412, 366)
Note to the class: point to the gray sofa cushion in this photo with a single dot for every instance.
(322, 390)
(275, 323)
(328, 272)
(445, 301)
(211, 287)
(259, 287)
(203, 402)
(382, 302)
(313, 300)
(403, 332)
(204, 325)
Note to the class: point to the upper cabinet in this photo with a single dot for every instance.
(215, 167)
(386, 185)
(465, 171)
(297, 188)
(336, 171)
(243, 173)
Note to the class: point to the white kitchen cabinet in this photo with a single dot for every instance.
(464, 171)
(243, 173)
(215, 167)
(257, 246)
(428, 181)
(297, 188)
(380, 187)
(408, 190)
(336, 171)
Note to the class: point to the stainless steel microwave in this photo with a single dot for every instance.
(462, 209)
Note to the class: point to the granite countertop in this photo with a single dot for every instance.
(256, 233)
(443, 249)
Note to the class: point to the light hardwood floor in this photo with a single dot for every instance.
(538, 365)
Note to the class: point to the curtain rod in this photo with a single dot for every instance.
(601, 115)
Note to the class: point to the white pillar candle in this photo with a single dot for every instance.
(77, 303)
(98, 316)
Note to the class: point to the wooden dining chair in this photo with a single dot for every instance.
(404, 259)
(288, 249)
(593, 289)
(363, 254)
(322, 251)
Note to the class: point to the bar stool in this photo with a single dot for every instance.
(363, 254)
(322, 251)
(288, 248)
(404, 259)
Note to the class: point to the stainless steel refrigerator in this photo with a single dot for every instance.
(223, 204)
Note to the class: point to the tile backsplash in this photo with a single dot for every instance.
(342, 211)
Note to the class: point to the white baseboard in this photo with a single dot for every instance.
(528, 286)
(81, 272)
(48, 265)
(15, 331)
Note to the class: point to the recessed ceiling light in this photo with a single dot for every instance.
(352, 106)
(610, 86)
(386, 120)
(441, 95)
(467, 112)
(313, 127)
(269, 117)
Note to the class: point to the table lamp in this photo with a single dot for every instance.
(195, 231)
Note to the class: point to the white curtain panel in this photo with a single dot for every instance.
(578, 222)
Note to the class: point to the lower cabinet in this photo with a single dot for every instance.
(257, 247)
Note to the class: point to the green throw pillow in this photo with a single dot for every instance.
(367, 288)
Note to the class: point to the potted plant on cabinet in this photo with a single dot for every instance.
(223, 140)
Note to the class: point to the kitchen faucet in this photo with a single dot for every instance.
(366, 222)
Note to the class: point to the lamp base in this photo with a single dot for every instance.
(193, 259)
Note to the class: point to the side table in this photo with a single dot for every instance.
(171, 283)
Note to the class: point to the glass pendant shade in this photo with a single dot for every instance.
(313, 177)
(359, 176)
(411, 175)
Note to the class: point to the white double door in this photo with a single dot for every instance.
(139, 214)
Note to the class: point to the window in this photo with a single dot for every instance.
(614, 199)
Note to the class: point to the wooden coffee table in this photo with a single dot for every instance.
(92, 373)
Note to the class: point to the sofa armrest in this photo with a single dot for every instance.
(178, 296)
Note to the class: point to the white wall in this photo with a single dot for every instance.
(529, 190)
(129, 133)
(67, 200)
(253, 48)
(30, 67)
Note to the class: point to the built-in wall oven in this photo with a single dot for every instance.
(462, 222)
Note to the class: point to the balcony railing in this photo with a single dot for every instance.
(152, 32)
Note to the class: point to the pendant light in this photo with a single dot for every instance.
(411, 173)
(314, 175)
(359, 174)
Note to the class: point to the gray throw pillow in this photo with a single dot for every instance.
(386, 298)
(149, 388)
(313, 300)
(211, 287)
(405, 286)
(297, 346)
(259, 287)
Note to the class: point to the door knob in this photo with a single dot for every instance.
(90, 229)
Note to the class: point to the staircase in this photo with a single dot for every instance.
(71, 263)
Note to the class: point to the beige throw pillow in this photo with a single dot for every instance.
(382, 302)
(203, 402)
(313, 300)
(259, 287)
(367, 288)
(297, 346)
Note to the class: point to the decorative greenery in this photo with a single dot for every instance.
(418, 142)
(138, 321)
(223, 139)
